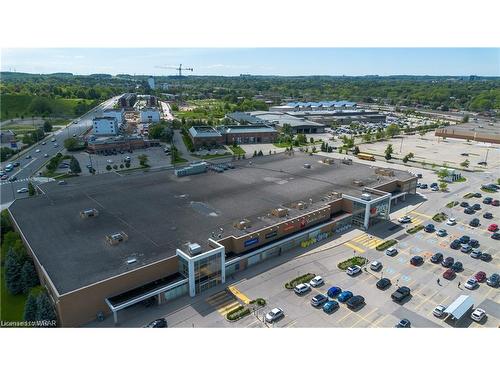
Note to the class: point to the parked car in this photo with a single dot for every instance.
(434, 188)
(476, 206)
(496, 236)
(474, 243)
(464, 239)
(495, 203)
(400, 294)
(451, 221)
(477, 195)
(28, 156)
(487, 200)
(316, 281)
(457, 266)
(474, 222)
(478, 314)
(493, 227)
(416, 260)
(13, 178)
(423, 186)
(318, 300)
(437, 258)
(476, 254)
(158, 323)
(493, 280)
(429, 228)
(334, 291)
(22, 190)
(486, 257)
(353, 270)
(471, 283)
(403, 323)
(480, 276)
(469, 211)
(488, 215)
(383, 283)
(442, 233)
(330, 306)
(464, 204)
(448, 262)
(455, 244)
(344, 296)
(355, 302)
(274, 315)
(391, 251)
(439, 311)
(301, 289)
(434, 184)
(465, 248)
(404, 219)
(4, 177)
(449, 274)
(37, 150)
(375, 265)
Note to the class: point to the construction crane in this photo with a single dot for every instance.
(179, 69)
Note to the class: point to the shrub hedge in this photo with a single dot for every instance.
(415, 229)
(354, 261)
(238, 313)
(299, 280)
(386, 244)
(452, 204)
(259, 301)
(439, 217)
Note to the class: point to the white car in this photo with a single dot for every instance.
(404, 219)
(274, 315)
(375, 265)
(353, 270)
(46, 155)
(391, 251)
(451, 221)
(22, 190)
(317, 281)
(471, 283)
(109, 161)
(478, 315)
(302, 288)
(434, 188)
(37, 150)
(439, 310)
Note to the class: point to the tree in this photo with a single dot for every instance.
(29, 277)
(47, 127)
(5, 153)
(465, 119)
(27, 140)
(388, 152)
(367, 137)
(286, 129)
(143, 160)
(408, 157)
(31, 189)
(465, 163)
(443, 173)
(74, 166)
(379, 134)
(392, 130)
(311, 140)
(301, 138)
(12, 267)
(45, 310)
(30, 308)
(71, 144)
(443, 186)
(108, 167)
(260, 153)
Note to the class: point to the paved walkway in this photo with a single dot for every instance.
(179, 143)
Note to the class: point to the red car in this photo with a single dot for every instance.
(480, 276)
(493, 227)
(496, 203)
(449, 274)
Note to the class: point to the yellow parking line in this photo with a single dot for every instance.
(356, 239)
(364, 317)
(345, 317)
(239, 294)
(427, 299)
(380, 321)
(225, 309)
(421, 214)
(348, 244)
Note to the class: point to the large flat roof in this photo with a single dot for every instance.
(160, 212)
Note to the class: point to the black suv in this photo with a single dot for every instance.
(487, 200)
(476, 206)
(464, 204)
(455, 245)
(474, 222)
(464, 239)
(383, 283)
(437, 258)
(355, 302)
(488, 215)
(457, 266)
(400, 294)
(448, 262)
(469, 211)
(158, 323)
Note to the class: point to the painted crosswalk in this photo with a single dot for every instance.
(417, 221)
(367, 240)
(223, 302)
(20, 180)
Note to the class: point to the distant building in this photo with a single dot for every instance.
(105, 126)
(98, 145)
(118, 114)
(203, 136)
(149, 114)
(298, 125)
(151, 83)
(127, 100)
(7, 136)
(314, 106)
(248, 134)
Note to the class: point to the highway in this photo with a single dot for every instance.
(31, 161)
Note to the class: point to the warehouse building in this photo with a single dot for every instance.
(472, 132)
(103, 245)
(313, 106)
(298, 125)
(206, 136)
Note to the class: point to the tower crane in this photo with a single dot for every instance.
(179, 69)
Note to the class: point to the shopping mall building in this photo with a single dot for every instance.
(104, 243)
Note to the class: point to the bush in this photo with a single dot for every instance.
(299, 280)
(440, 217)
(238, 313)
(354, 261)
(452, 204)
(469, 195)
(115, 167)
(386, 245)
(108, 167)
(415, 229)
(259, 301)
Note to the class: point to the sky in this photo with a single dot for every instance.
(258, 61)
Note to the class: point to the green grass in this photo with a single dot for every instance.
(415, 229)
(469, 195)
(452, 204)
(179, 159)
(440, 217)
(237, 150)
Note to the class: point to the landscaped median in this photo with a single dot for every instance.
(386, 245)
(300, 280)
(237, 313)
(440, 217)
(452, 204)
(354, 261)
(415, 229)
(469, 195)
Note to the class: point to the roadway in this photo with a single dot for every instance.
(31, 161)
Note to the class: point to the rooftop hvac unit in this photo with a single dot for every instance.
(280, 212)
(193, 248)
(300, 205)
(366, 197)
(384, 172)
(357, 182)
(243, 224)
(131, 260)
(89, 213)
(116, 238)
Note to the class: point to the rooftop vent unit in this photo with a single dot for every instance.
(131, 260)
(243, 224)
(384, 172)
(116, 238)
(193, 248)
(89, 213)
(280, 212)
(299, 205)
(357, 183)
(335, 195)
(366, 197)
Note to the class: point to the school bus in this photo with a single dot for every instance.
(364, 156)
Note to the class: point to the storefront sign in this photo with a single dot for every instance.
(288, 227)
(271, 234)
(251, 241)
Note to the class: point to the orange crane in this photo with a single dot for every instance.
(179, 68)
